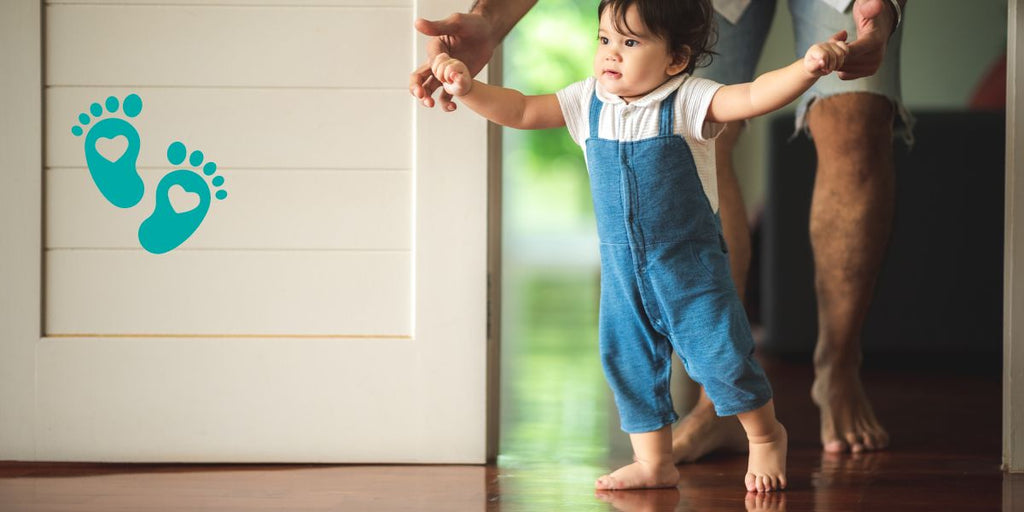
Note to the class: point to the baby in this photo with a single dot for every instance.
(647, 128)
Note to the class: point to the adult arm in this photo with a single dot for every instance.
(469, 37)
(876, 21)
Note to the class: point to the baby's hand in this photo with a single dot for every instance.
(824, 58)
(453, 74)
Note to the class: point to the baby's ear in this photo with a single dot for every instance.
(680, 61)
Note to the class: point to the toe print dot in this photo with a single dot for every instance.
(221, 194)
(132, 105)
(84, 119)
(95, 109)
(209, 168)
(176, 153)
(218, 181)
(195, 158)
(112, 104)
(76, 130)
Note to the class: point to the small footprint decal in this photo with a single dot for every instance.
(113, 168)
(175, 218)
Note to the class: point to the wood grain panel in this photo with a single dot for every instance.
(228, 292)
(264, 209)
(236, 46)
(249, 128)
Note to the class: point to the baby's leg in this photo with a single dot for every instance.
(766, 466)
(653, 466)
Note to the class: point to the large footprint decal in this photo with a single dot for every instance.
(171, 222)
(112, 169)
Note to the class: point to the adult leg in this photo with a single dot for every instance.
(739, 48)
(851, 218)
(702, 431)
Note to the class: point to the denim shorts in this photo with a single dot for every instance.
(739, 48)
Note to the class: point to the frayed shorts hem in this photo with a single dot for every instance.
(903, 126)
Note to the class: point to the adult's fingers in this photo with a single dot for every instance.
(446, 102)
(447, 26)
(422, 84)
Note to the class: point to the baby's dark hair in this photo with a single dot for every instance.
(681, 23)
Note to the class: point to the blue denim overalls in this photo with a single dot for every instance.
(665, 280)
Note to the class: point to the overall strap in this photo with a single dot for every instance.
(595, 112)
(666, 122)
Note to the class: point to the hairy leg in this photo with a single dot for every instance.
(851, 217)
(702, 431)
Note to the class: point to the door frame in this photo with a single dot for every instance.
(1013, 278)
(21, 221)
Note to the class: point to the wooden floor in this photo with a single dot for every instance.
(945, 457)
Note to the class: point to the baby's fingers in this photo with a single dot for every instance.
(437, 65)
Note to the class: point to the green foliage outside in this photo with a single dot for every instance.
(545, 175)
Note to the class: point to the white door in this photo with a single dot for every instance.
(331, 307)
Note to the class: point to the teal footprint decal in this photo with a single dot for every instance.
(112, 149)
(174, 218)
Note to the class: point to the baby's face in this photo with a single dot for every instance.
(630, 65)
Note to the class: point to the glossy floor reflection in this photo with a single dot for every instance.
(560, 431)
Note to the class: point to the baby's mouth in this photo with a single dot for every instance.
(611, 74)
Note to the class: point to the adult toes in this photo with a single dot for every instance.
(853, 439)
(835, 446)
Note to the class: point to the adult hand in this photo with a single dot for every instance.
(875, 20)
(467, 37)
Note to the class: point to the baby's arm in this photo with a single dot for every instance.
(775, 89)
(506, 107)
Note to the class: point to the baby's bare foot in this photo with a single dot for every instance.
(640, 475)
(702, 432)
(847, 421)
(766, 467)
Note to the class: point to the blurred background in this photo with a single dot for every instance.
(554, 398)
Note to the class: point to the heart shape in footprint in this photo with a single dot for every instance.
(112, 148)
(182, 200)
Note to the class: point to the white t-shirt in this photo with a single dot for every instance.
(640, 119)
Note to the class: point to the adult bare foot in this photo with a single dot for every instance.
(766, 468)
(640, 475)
(847, 421)
(702, 432)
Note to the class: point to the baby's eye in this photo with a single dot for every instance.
(604, 40)
(632, 42)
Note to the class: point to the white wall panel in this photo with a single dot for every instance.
(238, 46)
(279, 3)
(228, 292)
(250, 128)
(264, 209)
